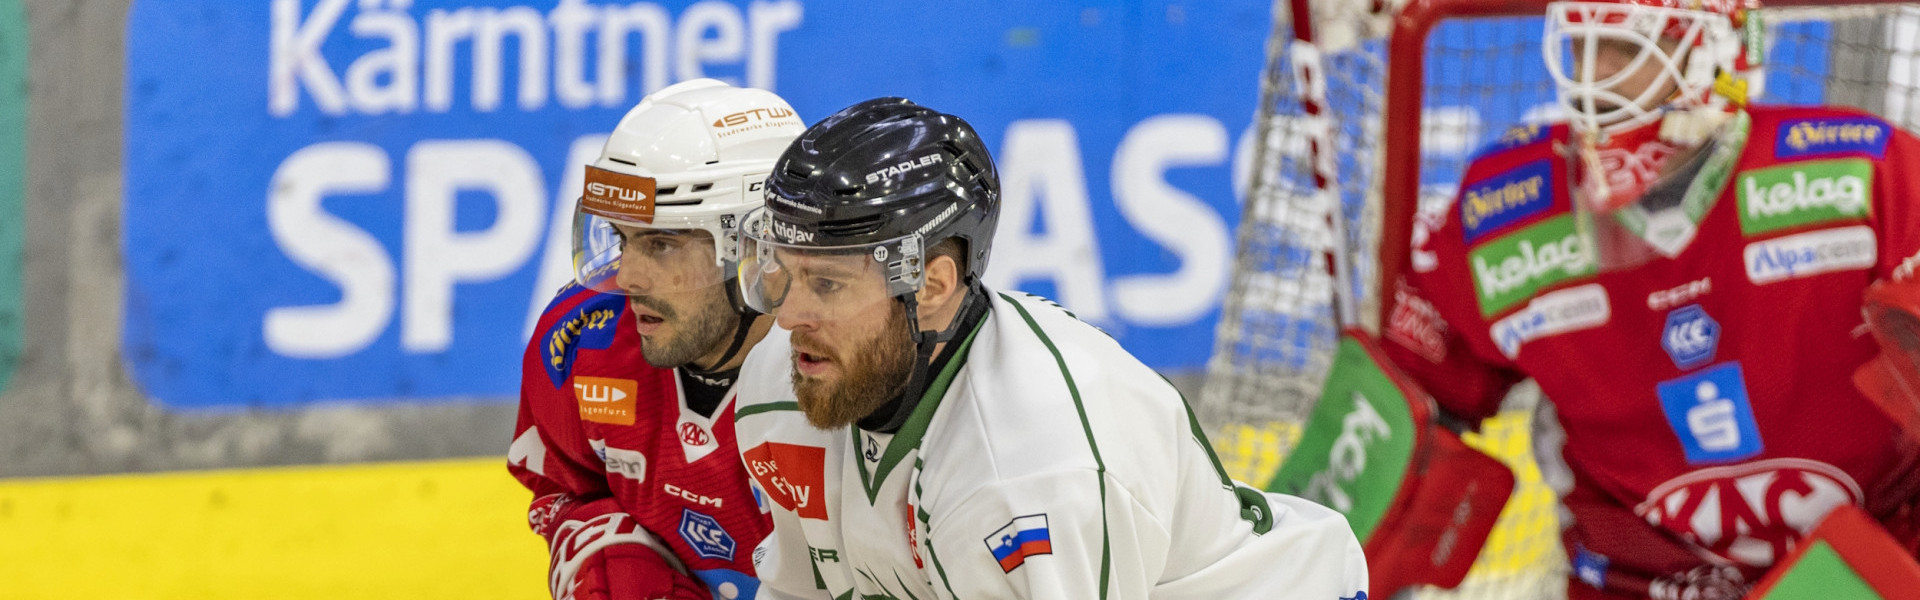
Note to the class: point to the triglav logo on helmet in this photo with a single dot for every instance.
(790, 233)
(903, 168)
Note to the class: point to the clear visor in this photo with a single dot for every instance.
(644, 260)
(799, 283)
(1609, 65)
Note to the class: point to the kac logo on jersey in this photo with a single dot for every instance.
(1833, 135)
(589, 325)
(1492, 203)
(1750, 514)
(1711, 415)
(1691, 337)
(1019, 539)
(705, 535)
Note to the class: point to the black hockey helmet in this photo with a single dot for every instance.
(887, 169)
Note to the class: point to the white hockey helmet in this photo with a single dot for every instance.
(690, 157)
(1706, 49)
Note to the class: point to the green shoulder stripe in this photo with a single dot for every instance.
(1100, 470)
(768, 407)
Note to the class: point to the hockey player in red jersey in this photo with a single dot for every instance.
(1683, 274)
(625, 433)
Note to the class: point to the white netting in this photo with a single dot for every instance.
(1276, 333)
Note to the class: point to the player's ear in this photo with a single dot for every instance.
(942, 287)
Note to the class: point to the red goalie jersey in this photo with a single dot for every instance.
(639, 496)
(1707, 399)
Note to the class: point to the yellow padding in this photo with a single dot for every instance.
(442, 529)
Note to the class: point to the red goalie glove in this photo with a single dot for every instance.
(598, 552)
(1892, 379)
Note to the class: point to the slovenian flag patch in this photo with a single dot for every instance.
(1020, 538)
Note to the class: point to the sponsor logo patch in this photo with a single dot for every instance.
(1551, 314)
(1691, 337)
(1515, 137)
(705, 535)
(620, 461)
(1749, 514)
(1804, 194)
(1710, 413)
(605, 399)
(903, 168)
(589, 325)
(1511, 268)
(1832, 135)
(1498, 201)
(728, 584)
(1590, 567)
(1417, 326)
(1811, 253)
(757, 119)
(790, 233)
(790, 475)
(617, 195)
(1022, 538)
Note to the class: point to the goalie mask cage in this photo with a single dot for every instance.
(1408, 95)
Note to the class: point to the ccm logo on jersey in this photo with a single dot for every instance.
(689, 496)
(606, 400)
(1492, 203)
(903, 168)
(1811, 253)
(1676, 295)
(705, 535)
(1019, 539)
(790, 475)
(1814, 137)
(1749, 514)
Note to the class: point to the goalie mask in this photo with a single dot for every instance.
(661, 206)
(1642, 81)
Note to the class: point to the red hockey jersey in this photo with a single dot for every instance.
(1706, 398)
(596, 421)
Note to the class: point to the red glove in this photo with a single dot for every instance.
(1892, 380)
(597, 552)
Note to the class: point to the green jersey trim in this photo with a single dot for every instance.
(1100, 466)
(760, 408)
(908, 438)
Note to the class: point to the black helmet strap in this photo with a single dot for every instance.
(924, 343)
(748, 316)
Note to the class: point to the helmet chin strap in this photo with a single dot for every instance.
(741, 329)
(924, 343)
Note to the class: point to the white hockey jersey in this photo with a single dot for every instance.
(1043, 462)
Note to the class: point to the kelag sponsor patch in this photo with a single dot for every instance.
(1511, 268)
(589, 325)
(1498, 201)
(1832, 135)
(1806, 193)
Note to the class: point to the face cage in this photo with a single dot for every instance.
(597, 248)
(765, 282)
(1576, 28)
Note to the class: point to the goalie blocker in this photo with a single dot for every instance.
(1420, 500)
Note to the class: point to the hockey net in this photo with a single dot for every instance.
(1410, 94)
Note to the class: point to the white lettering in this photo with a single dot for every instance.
(438, 256)
(332, 248)
(694, 48)
(295, 54)
(1040, 172)
(1177, 220)
(1811, 253)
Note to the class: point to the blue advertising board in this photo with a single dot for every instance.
(368, 200)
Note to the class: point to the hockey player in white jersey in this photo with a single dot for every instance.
(917, 435)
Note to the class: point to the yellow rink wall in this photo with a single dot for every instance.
(418, 530)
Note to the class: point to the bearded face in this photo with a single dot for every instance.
(844, 373)
(679, 329)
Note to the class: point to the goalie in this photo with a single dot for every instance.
(1684, 274)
